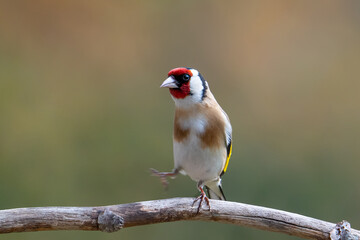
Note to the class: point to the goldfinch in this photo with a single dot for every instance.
(202, 137)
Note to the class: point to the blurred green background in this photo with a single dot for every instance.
(82, 117)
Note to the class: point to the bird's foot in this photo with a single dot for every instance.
(201, 198)
(163, 176)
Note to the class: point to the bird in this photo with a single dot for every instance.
(202, 135)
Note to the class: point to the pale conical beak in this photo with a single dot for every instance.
(169, 83)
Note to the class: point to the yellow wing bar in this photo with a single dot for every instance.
(228, 158)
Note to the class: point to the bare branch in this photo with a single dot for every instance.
(114, 217)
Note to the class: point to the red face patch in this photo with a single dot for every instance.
(184, 85)
(179, 71)
(181, 92)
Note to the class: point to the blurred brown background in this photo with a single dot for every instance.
(82, 118)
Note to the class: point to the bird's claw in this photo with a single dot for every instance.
(162, 177)
(201, 198)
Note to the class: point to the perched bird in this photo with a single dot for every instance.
(202, 138)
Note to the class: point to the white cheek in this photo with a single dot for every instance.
(196, 88)
(194, 72)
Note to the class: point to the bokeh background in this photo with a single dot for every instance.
(82, 117)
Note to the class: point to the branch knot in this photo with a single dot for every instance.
(342, 231)
(109, 221)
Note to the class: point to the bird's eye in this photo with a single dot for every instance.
(186, 77)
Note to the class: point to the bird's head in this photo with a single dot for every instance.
(186, 85)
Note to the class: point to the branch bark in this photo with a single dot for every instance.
(114, 217)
